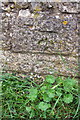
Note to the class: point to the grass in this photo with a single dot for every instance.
(25, 98)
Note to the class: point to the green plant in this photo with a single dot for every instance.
(53, 98)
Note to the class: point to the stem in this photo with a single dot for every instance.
(9, 109)
(78, 107)
(55, 103)
(56, 86)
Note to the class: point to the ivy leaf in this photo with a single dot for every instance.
(68, 98)
(44, 106)
(50, 79)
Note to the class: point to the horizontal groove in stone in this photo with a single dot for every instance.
(45, 53)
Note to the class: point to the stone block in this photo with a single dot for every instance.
(41, 63)
(42, 38)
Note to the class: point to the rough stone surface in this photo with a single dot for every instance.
(41, 37)
(41, 63)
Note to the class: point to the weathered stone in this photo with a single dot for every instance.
(24, 13)
(68, 7)
(41, 63)
(48, 35)
(37, 35)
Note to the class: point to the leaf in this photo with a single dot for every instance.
(51, 93)
(44, 106)
(67, 88)
(28, 109)
(32, 113)
(50, 79)
(43, 115)
(33, 90)
(33, 93)
(59, 91)
(46, 98)
(43, 89)
(48, 85)
(59, 79)
(69, 84)
(32, 97)
(68, 98)
(52, 113)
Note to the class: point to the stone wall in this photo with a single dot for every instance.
(41, 37)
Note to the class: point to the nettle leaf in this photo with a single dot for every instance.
(50, 79)
(44, 106)
(68, 98)
(46, 98)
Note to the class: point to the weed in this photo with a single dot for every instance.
(54, 98)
